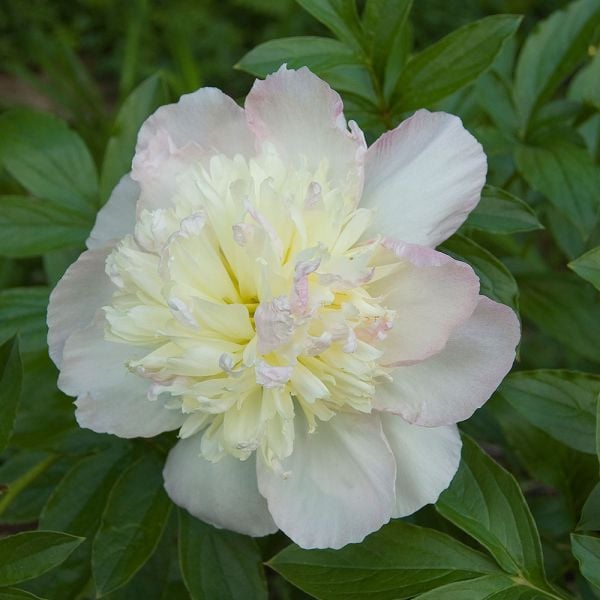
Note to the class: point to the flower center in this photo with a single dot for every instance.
(251, 296)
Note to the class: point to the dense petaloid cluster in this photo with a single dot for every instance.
(267, 286)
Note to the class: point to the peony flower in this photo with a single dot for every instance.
(267, 286)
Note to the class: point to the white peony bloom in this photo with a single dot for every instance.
(268, 286)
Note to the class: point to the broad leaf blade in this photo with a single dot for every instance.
(587, 551)
(551, 52)
(561, 403)
(499, 211)
(485, 501)
(11, 377)
(23, 310)
(452, 63)
(49, 160)
(398, 561)
(29, 227)
(26, 555)
(567, 176)
(216, 563)
(587, 266)
(132, 524)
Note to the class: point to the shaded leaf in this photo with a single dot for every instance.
(452, 63)
(398, 561)
(29, 226)
(587, 266)
(486, 501)
(49, 160)
(586, 550)
(590, 513)
(551, 52)
(23, 310)
(561, 403)
(132, 524)
(216, 563)
(499, 211)
(11, 377)
(26, 555)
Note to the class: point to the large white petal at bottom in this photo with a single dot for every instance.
(427, 459)
(338, 484)
(223, 493)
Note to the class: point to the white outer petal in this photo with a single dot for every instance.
(451, 385)
(423, 178)
(223, 494)
(117, 217)
(303, 117)
(111, 399)
(336, 487)
(77, 297)
(427, 459)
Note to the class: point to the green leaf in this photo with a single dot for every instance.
(49, 160)
(216, 563)
(561, 403)
(564, 309)
(340, 17)
(490, 587)
(551, 52)
(26, 555)
(587, 266)
(385, 23)
(29, 227)
(486, 501)
(23, 310)
(76, 507)
(141, 103)
(496, 280)
(11, 377)
(398, 561)
(494, 94)
(499, 211)
(567, 176)
(317, 53)
(452, 63)
(132, 524)
(586, 550)
(590, 513)
(15, 594)
(586, 85)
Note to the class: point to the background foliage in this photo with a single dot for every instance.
(84, 515)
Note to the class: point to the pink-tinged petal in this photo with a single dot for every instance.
(336, 487)
(77, 297)
(423, 178)
(117, 217)
(303, 118)
(223, 494)
(431, 294)
(426, 460)
(451, 385)
(201, 124)
(110, 398)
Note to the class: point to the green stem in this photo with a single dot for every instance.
(17, 486)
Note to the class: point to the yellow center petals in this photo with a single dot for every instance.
(251, 296)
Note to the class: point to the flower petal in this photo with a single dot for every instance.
(200, 125)
(223, 494)
(82, 290)
(431, 294)
(302, 116)
(451, 385)
(117, 217)
(426, 460)
(336, 487)
(423, 178)
(110, 398)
